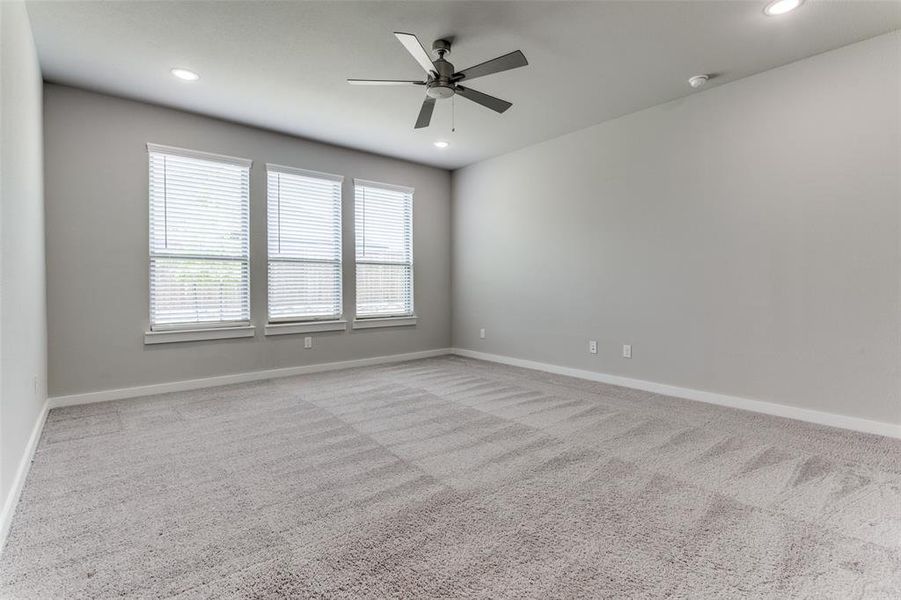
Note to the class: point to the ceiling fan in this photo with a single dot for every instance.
(441, 79)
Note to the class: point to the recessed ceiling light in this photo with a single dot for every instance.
(780, 7)
(185, 74)
(441, 144)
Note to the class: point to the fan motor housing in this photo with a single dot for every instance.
(442, 85)
(444, 69)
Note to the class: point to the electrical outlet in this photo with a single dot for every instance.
(627, 350)
(593, 346)
(307, 342)
(482, 333)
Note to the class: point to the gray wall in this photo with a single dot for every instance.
(744, 240)
(23, 324)
(97, 220)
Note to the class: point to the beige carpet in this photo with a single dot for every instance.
(450, 478)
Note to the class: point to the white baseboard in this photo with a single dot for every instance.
(12, 498)
(195, 384)
(769, 408)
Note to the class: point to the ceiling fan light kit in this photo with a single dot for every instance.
(443, 82)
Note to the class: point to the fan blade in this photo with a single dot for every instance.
(506, 62)
(495, 104)
(383, 82)
(414, 47)
(425, 113)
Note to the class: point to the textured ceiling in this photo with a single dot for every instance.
(282, 65)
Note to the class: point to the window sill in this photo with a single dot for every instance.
(305, 327)
(374, 322)
(194, 335)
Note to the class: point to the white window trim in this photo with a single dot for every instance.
(377, 322)
(385, 186)
(305, 327)
(175, 332)
(310, 324)
(187, 153)
(303, 172)
(168, 336)
(374, 321)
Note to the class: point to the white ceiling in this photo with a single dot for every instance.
(282, 65)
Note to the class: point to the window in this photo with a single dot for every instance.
(384, 239)
(304, 245)
(199, 239)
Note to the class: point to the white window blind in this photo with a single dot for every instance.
(384, 240)
(199, 239)
(304, 209)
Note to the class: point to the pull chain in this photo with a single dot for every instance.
(453, 113)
